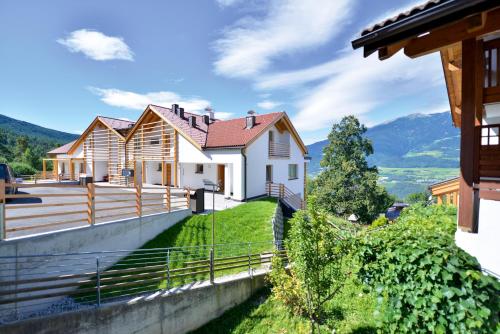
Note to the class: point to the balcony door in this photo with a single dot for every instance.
(269, 173)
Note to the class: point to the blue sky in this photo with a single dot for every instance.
(63, 63)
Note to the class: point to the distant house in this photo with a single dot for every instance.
(170, 146)
(98, 152)
(446, 192)
(394, 211)
(467, 36)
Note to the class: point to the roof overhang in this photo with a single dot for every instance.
(421, 23)
(95, 122)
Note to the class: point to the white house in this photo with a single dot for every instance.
(98, 152)
(168, 146)
(172, 147)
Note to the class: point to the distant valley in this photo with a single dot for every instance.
(411, 152)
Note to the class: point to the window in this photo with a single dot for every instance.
(269, 173)
(199, 169)
(155, 141)
(159, 167)
(292, 172)
(271, 136)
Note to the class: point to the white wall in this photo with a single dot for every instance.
(188, 153)
(484, 245)
(189, 178)
(258, 158)
(101, 169)
(153, 175)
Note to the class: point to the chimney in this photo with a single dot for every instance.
(192, 121)
(250, 119)
(206, 119)
(175, 108)
(210, 113)
(181, 113)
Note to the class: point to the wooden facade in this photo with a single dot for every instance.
(153, 141)
(469, 46)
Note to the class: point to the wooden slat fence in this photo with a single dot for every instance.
(46, 207)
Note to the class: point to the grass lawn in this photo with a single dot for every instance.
(351, 312)
(249, 222)
(246, 223)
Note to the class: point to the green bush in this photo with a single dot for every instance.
(20, 168)
(424, 281)
(379, 222)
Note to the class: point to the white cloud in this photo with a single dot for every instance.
(132, 100)
(362, 85)
(268, 104)
(223, 115)
(248, 47)
(227, 3)
(96, 45)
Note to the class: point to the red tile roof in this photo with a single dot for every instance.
(233, 133)
(62, 149)
(198, 133)
(115, 123)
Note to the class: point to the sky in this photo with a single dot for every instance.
(64, 62)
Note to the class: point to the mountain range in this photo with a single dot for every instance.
(407, 147)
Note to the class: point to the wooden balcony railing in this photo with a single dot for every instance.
(279, 150)
(279, 190)
(446, 192)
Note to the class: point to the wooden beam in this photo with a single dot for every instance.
(467, 28)
(44, 169)
(466, 214)
(388, 51)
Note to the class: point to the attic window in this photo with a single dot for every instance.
(155, 141)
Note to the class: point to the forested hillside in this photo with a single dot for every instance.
(23, 145)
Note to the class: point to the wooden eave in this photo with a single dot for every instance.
(91, 127)
(144, 117)
(447, 39)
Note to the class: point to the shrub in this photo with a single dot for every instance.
(379, 222)
(20, 168)
(427, 283)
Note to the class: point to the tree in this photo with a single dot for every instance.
(347, 184)
(316, 248)
(421, 197)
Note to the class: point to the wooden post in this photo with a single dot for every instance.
(91, 203)
(55, 168)
(169, 207)
(469, 147)
(44, 169)
(92, 145)
(143, 171)
(176, 158)
(3, 223)
(163, 173)
(188, 197)
(138, 200)
(71, 169)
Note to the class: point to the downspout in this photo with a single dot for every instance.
(244, 174)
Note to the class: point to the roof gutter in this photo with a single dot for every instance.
(421, 22)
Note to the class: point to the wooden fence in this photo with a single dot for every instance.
(51, 206)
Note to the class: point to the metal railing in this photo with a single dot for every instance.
(37, 285)
(47, 207)
(280, 150)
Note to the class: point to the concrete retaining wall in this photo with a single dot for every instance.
(122, 234)
(171, 312)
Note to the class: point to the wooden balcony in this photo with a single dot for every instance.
(279, 150)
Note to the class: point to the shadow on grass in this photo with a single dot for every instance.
(235, 316)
